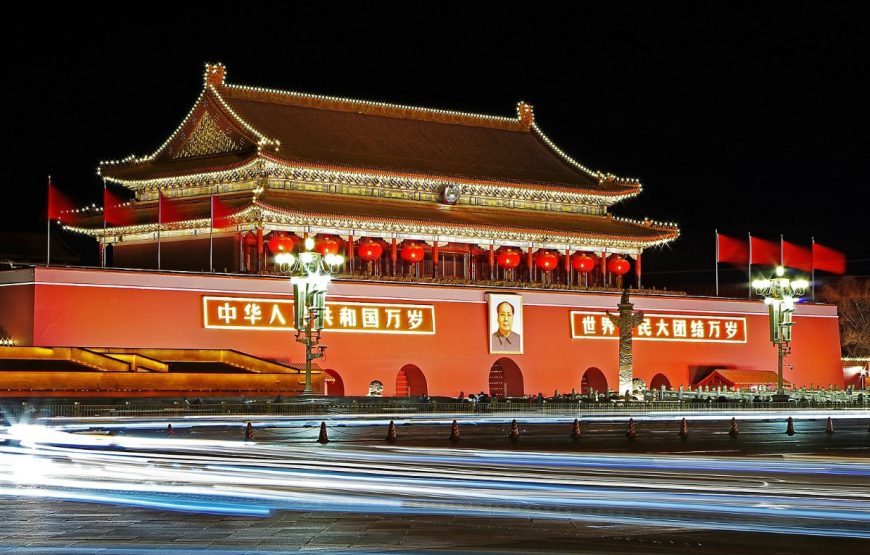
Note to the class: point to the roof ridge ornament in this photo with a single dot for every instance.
(526, 114)
(215, 74)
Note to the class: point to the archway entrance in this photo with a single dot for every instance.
(505, 379)
(411, 382)
(593, 380)
(333, 385)
(658, 381)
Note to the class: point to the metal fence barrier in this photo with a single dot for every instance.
(18, 411)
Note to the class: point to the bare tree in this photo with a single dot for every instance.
(852, 297)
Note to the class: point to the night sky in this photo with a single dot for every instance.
(733, 118)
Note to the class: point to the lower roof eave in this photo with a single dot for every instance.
(483, 236)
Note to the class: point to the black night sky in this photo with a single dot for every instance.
(734, 117)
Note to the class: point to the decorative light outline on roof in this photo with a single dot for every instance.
(259, 213)
(273, 165)
(133, 159)
(262, 140)
(601, 176)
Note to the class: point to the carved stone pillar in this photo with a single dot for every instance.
(627, 320)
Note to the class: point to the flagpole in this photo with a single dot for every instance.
(103, 256)
(211, 237)
(781, 250)
(749, 267)
(813, 269)
(159, 219)
(716, 263)
(48, 228)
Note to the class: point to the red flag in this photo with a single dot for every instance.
(764, 252)
(168, 211)
(220, 211)
(59, 205)
(794, 256)
(828, 259)
(115, 209)
(731, 250)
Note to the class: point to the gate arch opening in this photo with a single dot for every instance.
(593, 379)
(505, 379)
(333, 385)
(411, 382)
(658, 381)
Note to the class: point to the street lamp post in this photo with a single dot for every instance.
(780, 295)
(310, 275)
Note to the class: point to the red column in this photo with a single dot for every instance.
(567, 267)
(637, 269)
(530, 264)
(393, 254)
(435, 259)
(604, 268)
(261, 263)
(491, 261)
(349, 249)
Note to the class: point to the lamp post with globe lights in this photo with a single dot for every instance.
(310, 273)
(780, 295)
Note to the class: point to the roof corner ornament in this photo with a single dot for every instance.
(526, 114)
(214, 74)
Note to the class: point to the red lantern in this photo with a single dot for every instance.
(250, 239)
(618, 266)
(370, 250)
(326, 246)
(279, 242)
(583, 263)
(508, 259)
(412, 253)
(547, 261)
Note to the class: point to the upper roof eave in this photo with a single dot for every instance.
(216, 87)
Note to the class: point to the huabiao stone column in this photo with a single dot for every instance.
(627, 320)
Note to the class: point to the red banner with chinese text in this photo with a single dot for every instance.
(662, 327)
(277, 314)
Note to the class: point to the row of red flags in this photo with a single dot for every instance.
(119, 213)
(745, 252)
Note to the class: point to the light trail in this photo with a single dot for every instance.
(787, 496)
(435, 419)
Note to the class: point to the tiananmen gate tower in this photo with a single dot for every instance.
(447, 222)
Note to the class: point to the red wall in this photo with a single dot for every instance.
(110, 308)
(16, 305)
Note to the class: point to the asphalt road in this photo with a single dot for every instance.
(132, 488)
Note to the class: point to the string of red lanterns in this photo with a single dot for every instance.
(414, 253)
